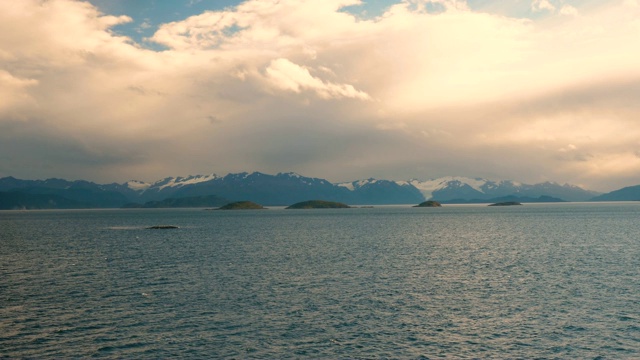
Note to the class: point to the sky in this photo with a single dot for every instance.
(526, 90)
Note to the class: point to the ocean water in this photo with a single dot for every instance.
(536, 281)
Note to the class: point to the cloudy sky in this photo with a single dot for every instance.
(112, 90)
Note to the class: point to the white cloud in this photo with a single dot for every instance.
(279, 86)
(14, 94)
(569, 10)
(391, 126)
(541, 5)
(285, 75)
(259, 24)
(568, 148)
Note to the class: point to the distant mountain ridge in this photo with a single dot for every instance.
(461, 189)
(629, 193)
(83, 194)
(15, 200)
(183, 202)
(280, 189)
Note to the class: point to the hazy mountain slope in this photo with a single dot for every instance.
(183, 202)
(630, 193)
(373, 191)
(16, 200)
(82, 192)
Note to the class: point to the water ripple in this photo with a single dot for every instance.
(556, 281)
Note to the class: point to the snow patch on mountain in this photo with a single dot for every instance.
(347, 185)
(427, 187)
(296, 176)
(177, 182)
(137, 185)
(352, 186)
(291, 174)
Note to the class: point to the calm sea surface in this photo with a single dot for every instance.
(534, 281)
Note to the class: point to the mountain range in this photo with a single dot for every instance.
(283, 189)
(462, 189)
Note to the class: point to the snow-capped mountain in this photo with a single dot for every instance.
(288, 188)
(428, 187)
(280, 189)
(372, 191)
(169, 182)
(164, 188)
(462, 188)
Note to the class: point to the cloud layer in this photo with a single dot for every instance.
(429, 88)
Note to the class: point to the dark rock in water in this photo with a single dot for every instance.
(163, 227)
(242, 205)
(319, 204)
(506, 203)
(429, 203)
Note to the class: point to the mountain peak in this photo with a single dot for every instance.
(289, 174)
(179, 181)
(456, 187)
(354, 185)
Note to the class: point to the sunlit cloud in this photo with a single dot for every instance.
(285, 75)
(541, 5)
(569, 10)
(427, 89)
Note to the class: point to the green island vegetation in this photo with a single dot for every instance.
(162, 227)
(506, 203)
(429, 203)
(242, 205)
(319, 204)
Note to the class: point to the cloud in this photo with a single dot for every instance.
(285, 75)
(569, 10)
(14, 94)
(259, 24)
(428, 88)
(541, 5)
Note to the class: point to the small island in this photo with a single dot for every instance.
(506, 203)
(429, 203)
(319, 204)
(242, 205)
(162, 227)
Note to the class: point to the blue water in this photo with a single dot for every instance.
(536, 281)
